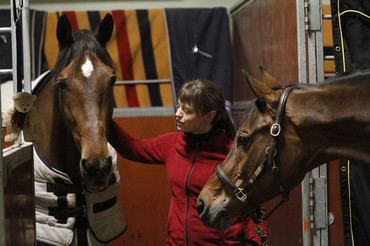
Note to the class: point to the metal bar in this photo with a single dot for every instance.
(14, 46)
(173, 87)
(329, 75)
(302, 78)
(2, 186)
(319, 50)
(321, 230)
(319, 175)
(143, 112)
(301, 40)
(147, 81)
(26, 46)
(5, 30)
(329, 57)
(6, 71)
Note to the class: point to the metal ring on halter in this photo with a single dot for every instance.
(240, 194)
(268, 150)
(272, 129)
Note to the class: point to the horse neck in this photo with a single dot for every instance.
(334, 120)
(55, 145)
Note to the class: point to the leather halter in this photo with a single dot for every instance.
(241, 193)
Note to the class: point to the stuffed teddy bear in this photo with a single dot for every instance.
(21, 115)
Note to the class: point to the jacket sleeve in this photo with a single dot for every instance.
(153, 150)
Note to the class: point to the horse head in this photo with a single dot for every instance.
(246, 164)
(83, 98)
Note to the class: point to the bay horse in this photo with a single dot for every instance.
(285, 134)
(74, 105)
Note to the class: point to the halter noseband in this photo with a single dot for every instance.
(241, 193)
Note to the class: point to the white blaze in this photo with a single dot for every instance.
(87, 68)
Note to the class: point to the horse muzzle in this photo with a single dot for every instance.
(96, 174)
(214, 215)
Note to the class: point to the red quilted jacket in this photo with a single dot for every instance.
(188, 170)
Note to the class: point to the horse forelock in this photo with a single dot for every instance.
(251, 109)
(83, 41)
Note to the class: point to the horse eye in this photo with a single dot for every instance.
(243, 139)
(113, 80)
(62, 84)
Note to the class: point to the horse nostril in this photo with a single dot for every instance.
(102, 168)
(90, 169)
(83, 164)
(106, 166)
(200, 206)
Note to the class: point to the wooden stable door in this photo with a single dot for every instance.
(265, 34)
(144, 193)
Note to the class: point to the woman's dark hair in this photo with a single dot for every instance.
(206, 96)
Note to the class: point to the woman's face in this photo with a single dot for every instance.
(188, 121)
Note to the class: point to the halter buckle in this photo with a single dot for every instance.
(275, 168)
(275, 129)
(240, 194)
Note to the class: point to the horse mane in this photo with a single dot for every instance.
(352, 76)
(83, 40)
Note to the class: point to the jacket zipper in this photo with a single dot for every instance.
(187, 190)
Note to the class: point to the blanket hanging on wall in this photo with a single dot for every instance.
(351, 34)
(200, 46)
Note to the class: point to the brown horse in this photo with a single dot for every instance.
(285, 134)
(74, 105)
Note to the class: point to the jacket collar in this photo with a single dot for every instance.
(217, 143)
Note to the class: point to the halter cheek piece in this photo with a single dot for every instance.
(241, 193)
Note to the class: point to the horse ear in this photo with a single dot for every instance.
(270, 80)
(261, 90)
(105, 30)
(64, 32)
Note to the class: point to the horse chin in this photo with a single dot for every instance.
(220, 221)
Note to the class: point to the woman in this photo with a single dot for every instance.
(204, 137)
